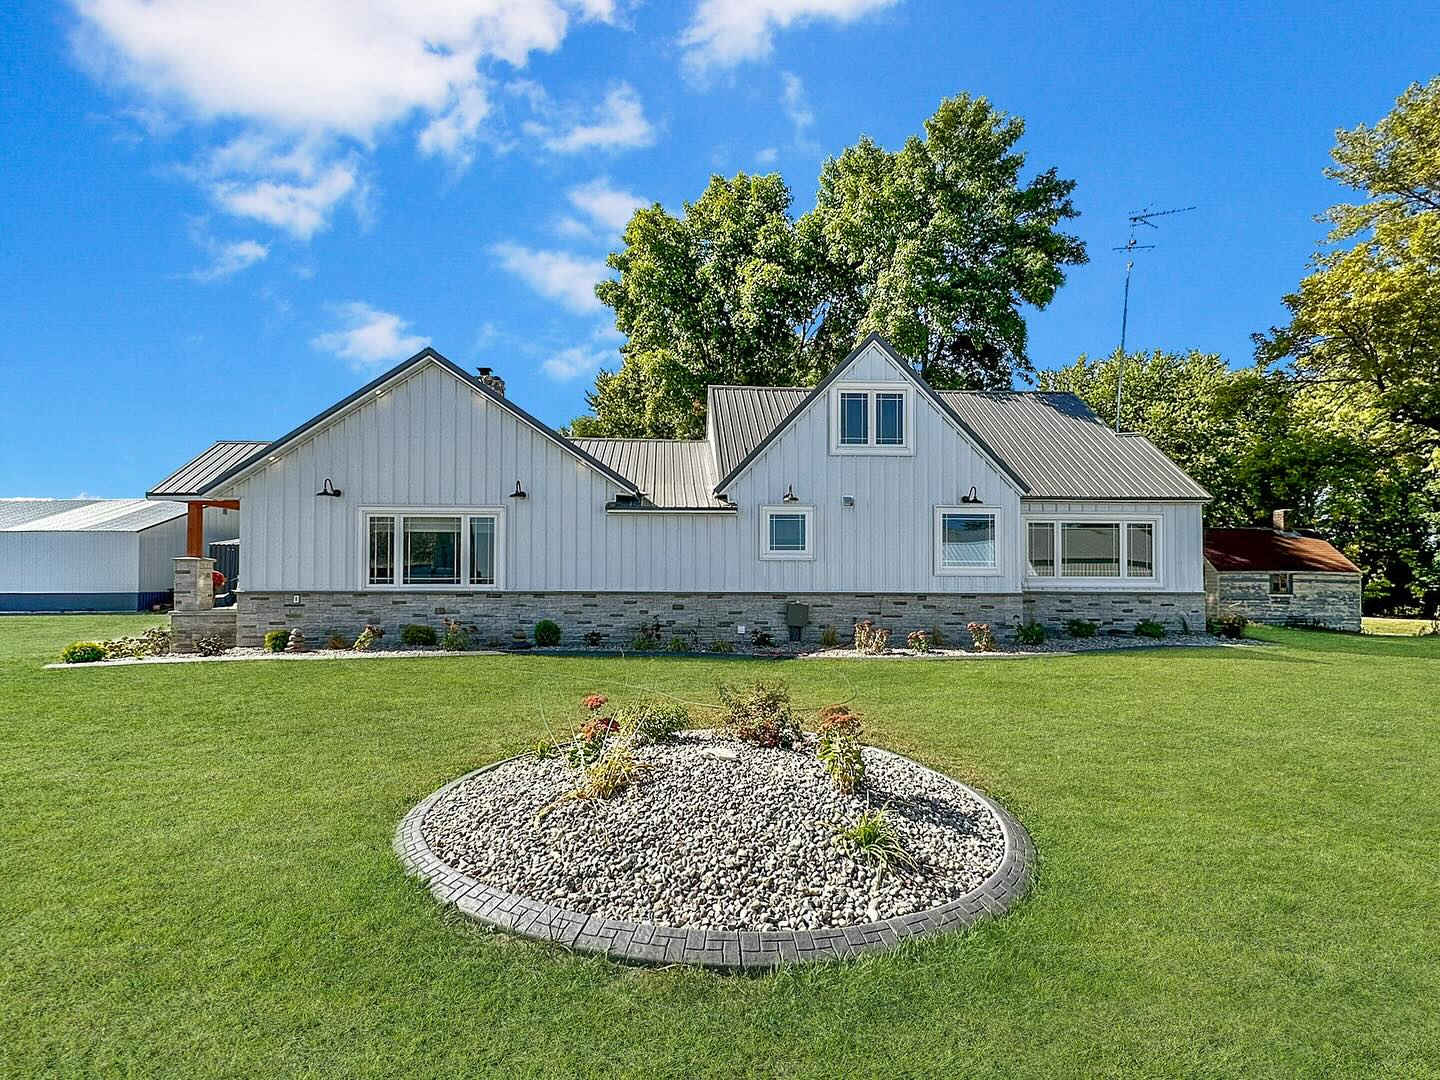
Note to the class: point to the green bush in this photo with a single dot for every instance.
(367, 639)
(645, 642)
(838, 748)
(211, 646)
(547, 632)
(919, 640)
(415, 634)
(82, 652)
(275, 640)
(722, 645)
(1030, 634)
(456, 637)
(652, 720)
(593, 639)
(1079, 628)
(677, 644)
(1149, 628)
(759, 714)
(830, 637)
(1230, 625)
(153, 641)
(337, 640)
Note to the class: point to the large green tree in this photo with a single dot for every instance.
(1364, 320)
(939, 245)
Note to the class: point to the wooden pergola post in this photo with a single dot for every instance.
(195, 523)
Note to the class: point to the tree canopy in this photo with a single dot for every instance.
(939, 246)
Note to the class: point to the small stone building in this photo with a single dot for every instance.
(1280, 576)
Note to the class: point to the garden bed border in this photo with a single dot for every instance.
(724, 950)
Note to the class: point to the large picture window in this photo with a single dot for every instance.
(431, 549)
(1093, 549)
(965, 541)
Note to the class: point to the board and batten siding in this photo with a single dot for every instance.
(431, 441)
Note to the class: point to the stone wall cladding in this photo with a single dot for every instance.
(726, 950)
(1117, 610)
(188, 627)
(1320, 599)
(618, 616)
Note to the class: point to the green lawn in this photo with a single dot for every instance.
(1401, 627)
(1239, 873)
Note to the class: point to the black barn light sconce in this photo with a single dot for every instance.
(970, 496)
(790, 495)
(329, 491)
(519, 492)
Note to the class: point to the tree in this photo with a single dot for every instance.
(1364, 319)
(939, 246)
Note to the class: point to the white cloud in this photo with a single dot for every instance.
(617, 123)
(573, 362)
(308, 85)
(767, 156)
(609, 207)
(368, 337)
(565, 278)
(797, 107)
(726, 33)
(227, 259)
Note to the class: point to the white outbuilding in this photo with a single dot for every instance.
(94, 554)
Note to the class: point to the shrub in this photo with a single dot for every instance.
(593, 639)
(644, 642)
(275, 640)
(652, 720)
(337, 640)
(367, 639)
(830, 638)
(1149, 628)
(937, 639)
(1079, 628)
(677, 644)
(873, 838)
(919, 640)
(547, 632)
(544, 748)
(211, 646)
(588, 741)
(759, 714)
(838, 748)
(1230, 625)
(870, 638)
(456, 637)
(82, 652)
(761, 639)
(981, 639)
(604, 779)
(722, 645)
(1031, 633)
(415, 634)
(153, 641)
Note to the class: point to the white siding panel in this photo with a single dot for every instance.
(70, 562)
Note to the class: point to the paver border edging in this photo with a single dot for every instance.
(725, 950)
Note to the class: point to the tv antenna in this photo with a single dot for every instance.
(1137, 218)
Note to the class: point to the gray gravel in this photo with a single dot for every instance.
(743, 844)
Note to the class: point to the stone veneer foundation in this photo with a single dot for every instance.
(707, 616)
(1328, 599)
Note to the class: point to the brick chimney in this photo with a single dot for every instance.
(1280, 520)
(493, 381)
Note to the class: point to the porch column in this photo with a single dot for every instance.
(194, 585)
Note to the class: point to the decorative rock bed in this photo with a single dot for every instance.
(724, 854)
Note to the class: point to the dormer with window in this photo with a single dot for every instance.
(871, 418)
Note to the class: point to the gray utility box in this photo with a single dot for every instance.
(797, 617)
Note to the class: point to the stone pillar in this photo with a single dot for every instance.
(194, 583)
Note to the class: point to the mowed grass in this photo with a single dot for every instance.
(1239, 873)
(1400, 627)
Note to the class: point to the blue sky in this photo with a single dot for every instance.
(215, 225)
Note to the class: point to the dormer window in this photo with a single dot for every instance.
(871, 420)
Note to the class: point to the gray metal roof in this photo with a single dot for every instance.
(97, 515)
(1053, 442)
(1064, 451)
(673, 474)
(740, 418)
(212, 462)
(19, 511)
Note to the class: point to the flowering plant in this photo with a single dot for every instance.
(593, 702)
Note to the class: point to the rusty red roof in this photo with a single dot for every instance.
(1269, 550)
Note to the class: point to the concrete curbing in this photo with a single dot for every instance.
(722, 950)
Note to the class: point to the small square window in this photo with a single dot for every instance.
(889, 419)
(965, 541)
(786, 532)
(1282, 584)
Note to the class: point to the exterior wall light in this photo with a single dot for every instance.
(970, 496)
(847, 500)
(790, 495)
(519, 492)
(329, 491)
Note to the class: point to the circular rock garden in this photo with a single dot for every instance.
(748, 844)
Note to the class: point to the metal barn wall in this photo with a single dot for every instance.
(69, 571)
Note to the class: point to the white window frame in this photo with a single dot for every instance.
(937, 539)
(767, 512)
(464, 513)
(872, 412)
(1124, 580)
